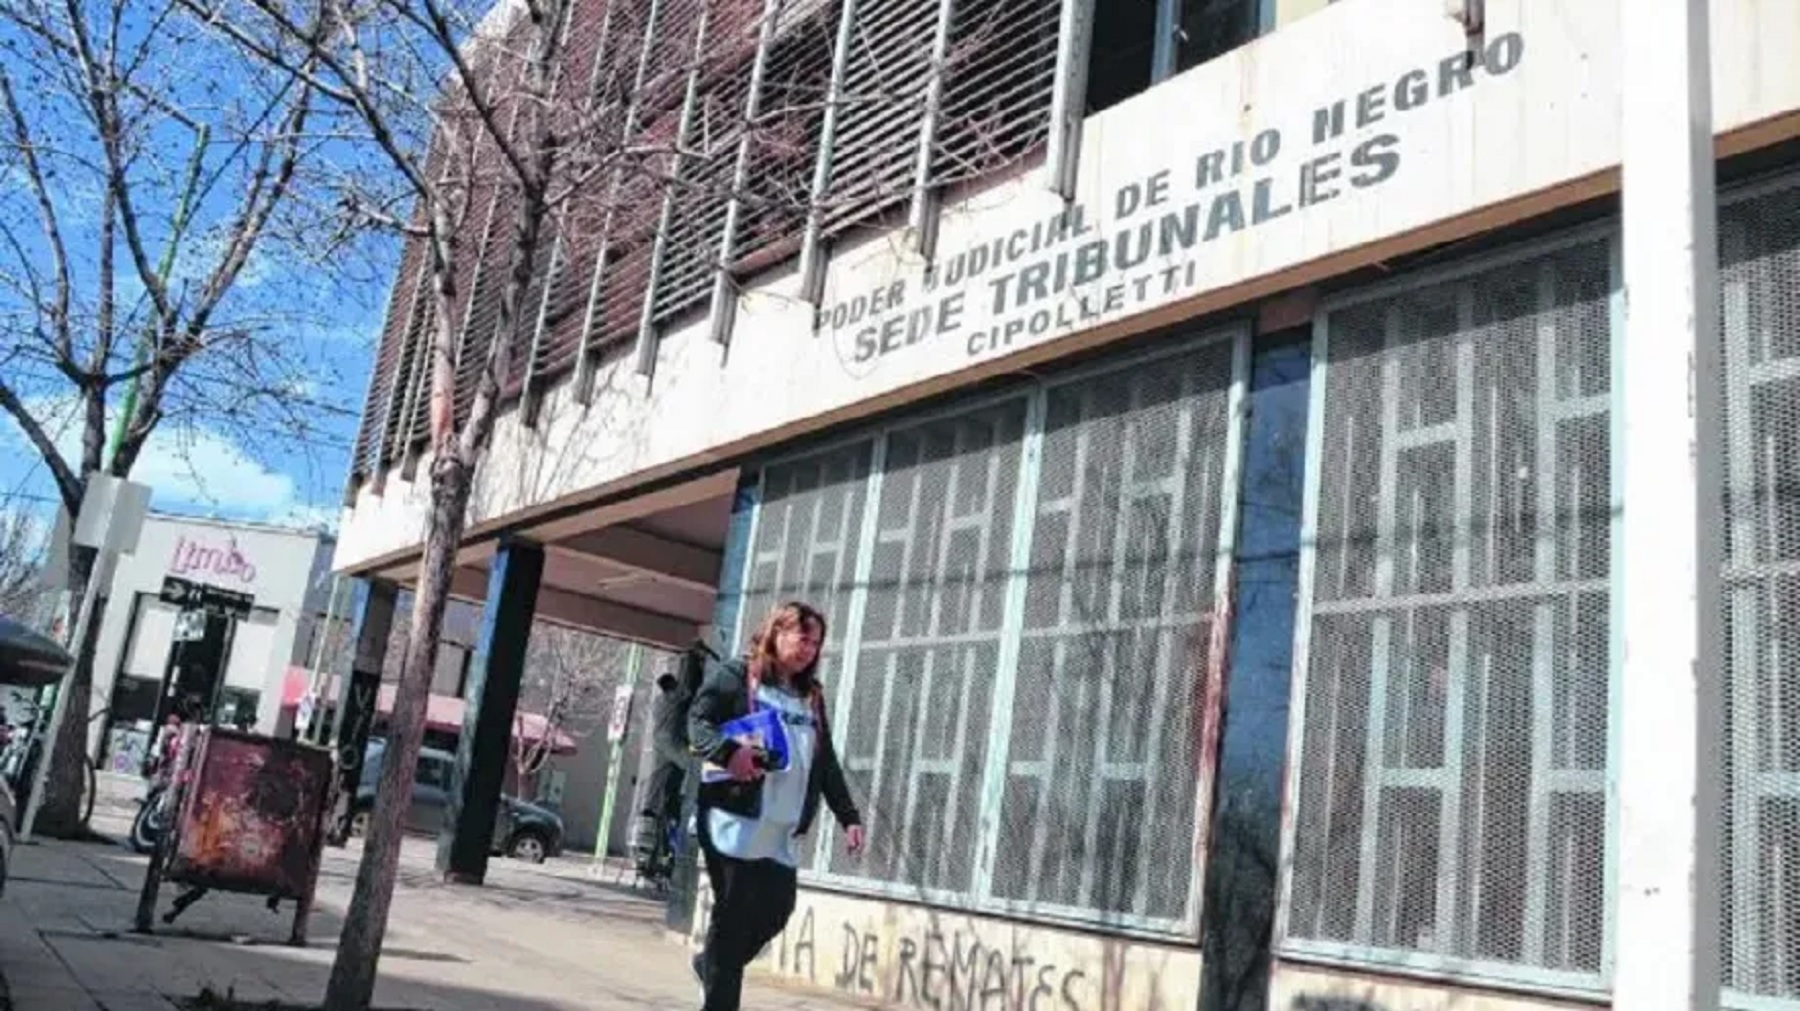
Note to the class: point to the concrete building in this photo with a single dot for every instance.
(288, 573)
(1202, 422)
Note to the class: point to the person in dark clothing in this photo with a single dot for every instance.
(749, 816)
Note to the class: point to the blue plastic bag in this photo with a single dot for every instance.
(762, 728)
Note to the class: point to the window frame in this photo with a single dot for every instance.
(1165, 56)
(979, 898)
(1451, 968)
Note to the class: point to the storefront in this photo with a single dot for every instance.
(242, 664)
(1222, 562)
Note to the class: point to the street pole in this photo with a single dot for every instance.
(40, 777)
(633, 660)
(1668, 580)
(317, 678)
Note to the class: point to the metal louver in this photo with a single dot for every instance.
(784, 136)
(882, 98)
(701, 193)
(1000, 70)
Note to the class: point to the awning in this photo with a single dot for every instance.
(28, 658)
(443, 713)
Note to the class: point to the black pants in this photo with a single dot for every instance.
(751, 903)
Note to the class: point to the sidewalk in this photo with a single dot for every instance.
(533, 939)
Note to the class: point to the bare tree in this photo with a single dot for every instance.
(24, 553)
(531, 147)
(570, 676)
(149, 176)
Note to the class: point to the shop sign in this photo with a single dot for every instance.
(200, 559)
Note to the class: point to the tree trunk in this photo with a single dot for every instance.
(352, 985)
(60, 815)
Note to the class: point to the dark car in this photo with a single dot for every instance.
(522, 830)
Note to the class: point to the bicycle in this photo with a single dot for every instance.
(18, 762)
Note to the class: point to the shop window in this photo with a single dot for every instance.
(1450, 792)
(1138, 43)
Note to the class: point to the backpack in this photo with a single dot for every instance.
(676, 691)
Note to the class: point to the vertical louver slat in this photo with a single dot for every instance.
(623, 191)
(596, 120)
(482, 317)
(531, 313)
(412, 352)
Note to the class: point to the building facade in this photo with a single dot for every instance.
(1200, 422)
(287, 572)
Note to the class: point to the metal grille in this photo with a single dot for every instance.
(916, 717)
(1103, 764)
(1760, 310)
(1450, 790)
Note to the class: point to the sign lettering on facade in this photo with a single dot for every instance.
(196, 558)
(1086, 266)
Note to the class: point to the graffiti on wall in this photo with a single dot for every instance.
(939, 969)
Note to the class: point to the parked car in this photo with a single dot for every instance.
(522, 830)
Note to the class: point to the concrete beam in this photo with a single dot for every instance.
(576, 610)
(642, 552)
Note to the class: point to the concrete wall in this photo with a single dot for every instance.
(914, 957)
(1430, 149)
(1295, 987)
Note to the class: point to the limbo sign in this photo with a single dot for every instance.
(1077, 269)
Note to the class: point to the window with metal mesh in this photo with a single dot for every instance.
(1450, 802)
(1032, 695)
(804, 548)
(916, 718)
(1760, 311)
(1102, 769)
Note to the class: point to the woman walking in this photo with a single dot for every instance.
(750, 814)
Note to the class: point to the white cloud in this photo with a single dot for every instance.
(193, 469)
(203, 468)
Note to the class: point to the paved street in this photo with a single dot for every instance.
(534, 939)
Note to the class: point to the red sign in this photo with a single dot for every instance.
(194, 557)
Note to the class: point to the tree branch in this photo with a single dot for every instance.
(59, 254)
(67, 482)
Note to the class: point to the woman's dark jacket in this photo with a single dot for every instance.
(724, 696)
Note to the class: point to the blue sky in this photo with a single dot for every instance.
(225, 448)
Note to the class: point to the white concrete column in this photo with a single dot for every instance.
(1667, 918)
